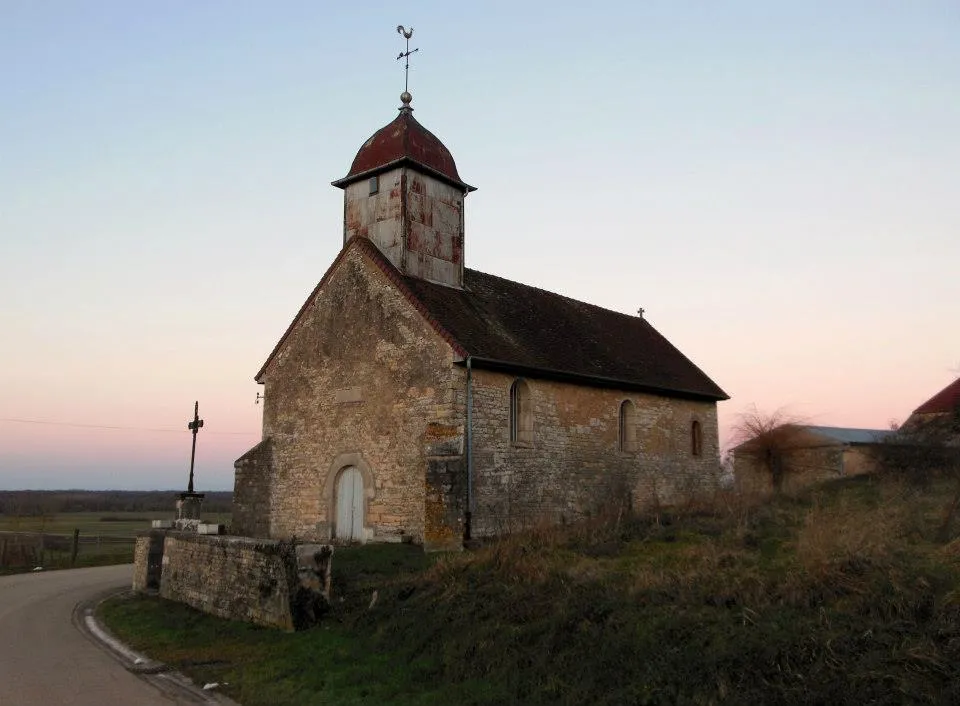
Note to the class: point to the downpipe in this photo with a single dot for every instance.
(468, 516)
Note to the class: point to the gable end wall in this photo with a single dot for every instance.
(362, 380)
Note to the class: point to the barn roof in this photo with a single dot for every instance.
(825, 437)
(506, 325)
(846, 435)
(947, 400)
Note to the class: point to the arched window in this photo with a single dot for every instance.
(628, 426)
(521, 413)
(696, 438)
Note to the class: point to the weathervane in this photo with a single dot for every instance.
(406, 55)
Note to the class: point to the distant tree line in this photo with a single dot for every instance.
(33, 503)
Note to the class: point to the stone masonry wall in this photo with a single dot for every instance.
(803, 467)
(574, 467)
(253, 475)
(147, 560)
(361, 381)
(141, 557)
(231, 577)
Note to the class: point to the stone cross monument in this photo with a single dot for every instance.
(188, 505)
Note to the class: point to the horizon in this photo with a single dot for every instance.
(775, 186)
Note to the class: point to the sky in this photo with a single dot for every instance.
(775, 183)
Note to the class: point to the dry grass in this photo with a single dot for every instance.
(839, 533)
(840, 596)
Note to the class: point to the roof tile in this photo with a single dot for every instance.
(947, 400)
(501, 320)
(403, 140)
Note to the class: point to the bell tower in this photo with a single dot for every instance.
(404, 194)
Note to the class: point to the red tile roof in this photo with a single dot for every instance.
(506, 325)
(947, 400)
(403, 140)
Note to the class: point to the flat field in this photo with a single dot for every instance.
(105, 538)
(102, 524)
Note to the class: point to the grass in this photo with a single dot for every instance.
(841, 596)
(106, 524)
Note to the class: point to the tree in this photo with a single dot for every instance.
(771, 441)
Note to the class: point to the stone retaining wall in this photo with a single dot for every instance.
(270, 583)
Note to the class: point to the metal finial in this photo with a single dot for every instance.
(407, 33)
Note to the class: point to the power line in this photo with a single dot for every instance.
(78, 425)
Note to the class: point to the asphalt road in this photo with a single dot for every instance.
(46, 660)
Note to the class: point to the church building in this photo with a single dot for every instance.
(415, 399)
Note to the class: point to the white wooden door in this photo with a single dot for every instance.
(350, 505)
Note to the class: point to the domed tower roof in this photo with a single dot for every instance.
(404, 141)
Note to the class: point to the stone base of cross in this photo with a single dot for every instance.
(188, 506)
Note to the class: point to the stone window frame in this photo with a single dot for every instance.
(521, 413)
(696, 438)
(627, 441)
(328, 492)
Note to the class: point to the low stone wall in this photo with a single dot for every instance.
(148, 560)
(270, 583)
(251, 491)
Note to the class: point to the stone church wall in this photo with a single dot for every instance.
(573, 467)
(363, 382)
(251, 491)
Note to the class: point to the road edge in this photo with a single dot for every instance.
(172, 683)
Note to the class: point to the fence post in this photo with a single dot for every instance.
(76, 546)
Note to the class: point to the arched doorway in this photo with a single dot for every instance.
(349, 527)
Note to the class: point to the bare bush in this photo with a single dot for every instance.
(770, 440)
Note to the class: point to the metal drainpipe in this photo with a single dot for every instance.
(469, 514)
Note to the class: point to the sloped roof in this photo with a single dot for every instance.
(403, 140)
(947, 400)
(506, 325)
(831, 436)
(846, 435)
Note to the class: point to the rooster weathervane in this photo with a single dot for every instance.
(407, 34)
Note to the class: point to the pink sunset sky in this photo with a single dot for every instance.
(776, 184)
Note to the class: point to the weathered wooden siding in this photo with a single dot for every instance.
(376, 216)
(416, 221)
(434, 230)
